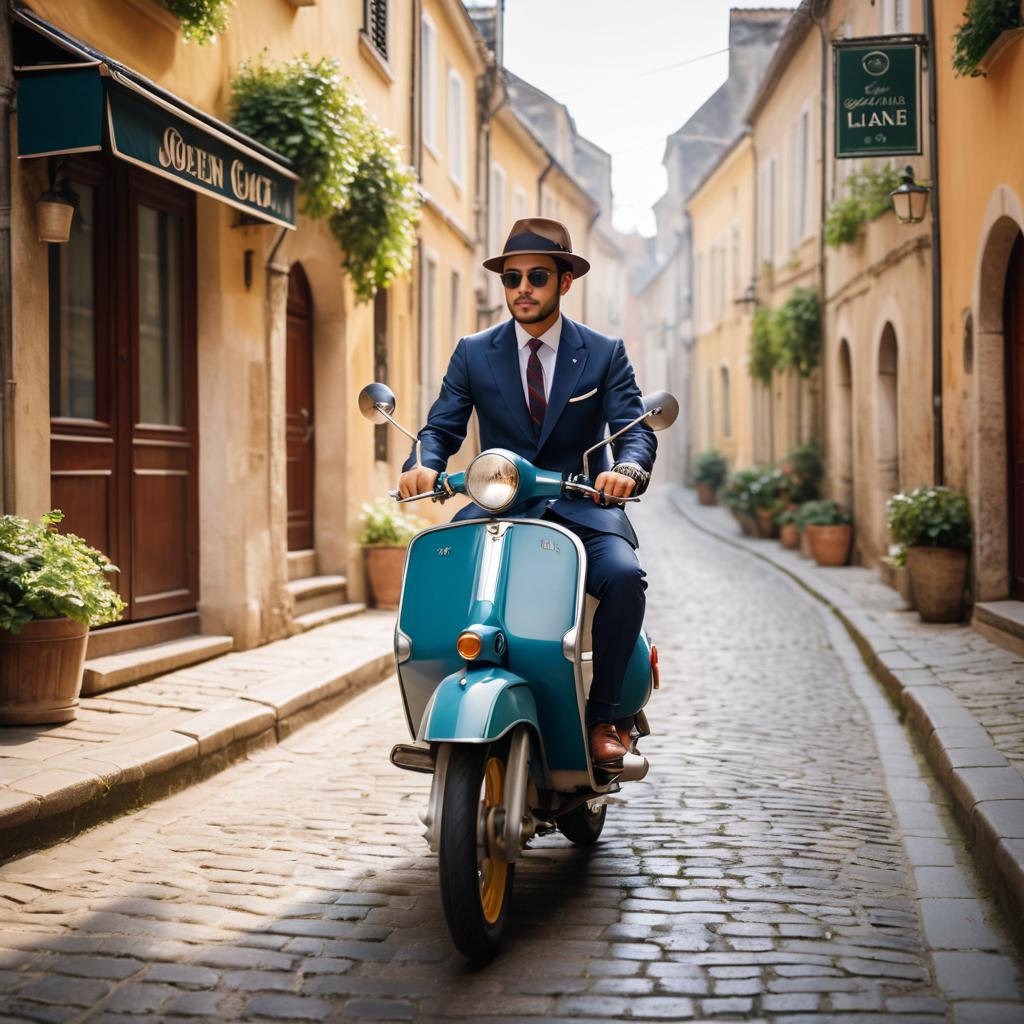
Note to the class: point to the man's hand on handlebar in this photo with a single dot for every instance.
(417, 480)
(614, 485)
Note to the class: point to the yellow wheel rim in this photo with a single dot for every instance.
(493, 870)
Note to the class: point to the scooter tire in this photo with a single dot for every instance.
(582, 826)
(475, 903)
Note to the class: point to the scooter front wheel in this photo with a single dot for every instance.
(476, 880)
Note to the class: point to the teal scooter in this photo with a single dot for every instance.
(493, 652)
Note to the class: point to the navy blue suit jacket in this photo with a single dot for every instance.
(593, 387)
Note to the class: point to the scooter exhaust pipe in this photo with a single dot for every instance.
(634, 768)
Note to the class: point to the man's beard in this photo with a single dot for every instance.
(533, 318)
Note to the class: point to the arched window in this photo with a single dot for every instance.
(887, 423)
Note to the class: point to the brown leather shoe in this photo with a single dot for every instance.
(605, 748)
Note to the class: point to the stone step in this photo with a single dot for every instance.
(125, 667)
(1002, 622)
(301, 564)
(315, 592)
(323, 616)
(127, 636)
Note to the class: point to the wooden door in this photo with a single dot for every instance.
(299, 423)
(123, 382)
(1013, 299)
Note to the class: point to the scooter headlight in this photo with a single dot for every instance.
(492, 481)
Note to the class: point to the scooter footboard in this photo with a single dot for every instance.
(479, 705)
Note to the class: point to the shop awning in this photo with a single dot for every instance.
(73, 99)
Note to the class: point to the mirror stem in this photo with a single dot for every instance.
(608, 440)
(412, 437)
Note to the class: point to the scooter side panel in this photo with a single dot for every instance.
(437, 602)
(538, 607)
(478, 706)
(638, 681)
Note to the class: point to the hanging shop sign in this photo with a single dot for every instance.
(877, 98)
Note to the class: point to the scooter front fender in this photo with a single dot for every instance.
(478, 706)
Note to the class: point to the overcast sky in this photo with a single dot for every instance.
(630, 72)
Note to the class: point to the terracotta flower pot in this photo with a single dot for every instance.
(830, 545)
(41, 672)
(765, 522)
(385, 565)
(789, 535)
(748, 521)
(805, 544)
(938, 578)
(706, 494)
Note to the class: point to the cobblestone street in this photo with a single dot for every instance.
(787, 858)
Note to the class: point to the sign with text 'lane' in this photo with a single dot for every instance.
(878, 98)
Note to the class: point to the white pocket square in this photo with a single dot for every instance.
(589, 394)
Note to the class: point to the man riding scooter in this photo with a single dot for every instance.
(546, 387)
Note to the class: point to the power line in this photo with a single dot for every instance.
(643, 74)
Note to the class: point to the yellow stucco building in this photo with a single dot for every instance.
(721, 211)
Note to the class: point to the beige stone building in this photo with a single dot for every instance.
(721, 211)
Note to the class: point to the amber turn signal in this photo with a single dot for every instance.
(654, 667)
(468, 645)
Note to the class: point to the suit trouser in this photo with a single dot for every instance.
(616, 579)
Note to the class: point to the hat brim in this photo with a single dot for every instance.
(579, 265)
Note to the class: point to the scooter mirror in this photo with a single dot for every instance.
(374, 395)
(667, 406)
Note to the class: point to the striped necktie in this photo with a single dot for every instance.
(535, 384)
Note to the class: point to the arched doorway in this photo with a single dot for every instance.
(844, 435)
(299, 422)
(1013, 330)
(887, 419)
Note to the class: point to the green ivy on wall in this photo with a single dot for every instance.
(786, 338)
(351, 169)
(984, 21)
(764, 355)
(201, 20)
(868, 199)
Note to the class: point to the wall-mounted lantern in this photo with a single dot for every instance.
(909, 199)
(747, 302)
(55, 209)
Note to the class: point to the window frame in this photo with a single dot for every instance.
(428, 84)
(456, 126)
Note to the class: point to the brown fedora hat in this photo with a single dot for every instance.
(538, 236)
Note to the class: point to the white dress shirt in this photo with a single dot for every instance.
(545, 353)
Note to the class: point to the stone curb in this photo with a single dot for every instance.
(121, 776)
(984, 790)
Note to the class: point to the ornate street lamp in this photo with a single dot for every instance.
(747, 301)
(910, 200)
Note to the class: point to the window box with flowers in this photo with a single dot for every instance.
(989, 28)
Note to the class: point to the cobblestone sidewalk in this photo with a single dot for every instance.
(962, 694)
(140, 741)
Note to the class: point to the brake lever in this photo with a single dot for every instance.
(606, 502)
(435, 495)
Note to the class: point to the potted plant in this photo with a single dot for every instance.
(932, 526)
(829, 531)
(386, 533)
(764, 493)
(53, 587)
(739, 500)
(789, 530)
(710, 473)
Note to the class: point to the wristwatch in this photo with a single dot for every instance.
(636, 473)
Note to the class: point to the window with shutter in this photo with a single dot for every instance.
(375, 18)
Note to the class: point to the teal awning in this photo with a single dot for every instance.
(84, 103)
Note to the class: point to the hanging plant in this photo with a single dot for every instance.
(984, 21)
(764, 354)
(377, 226)
(868, 199)
(350, 167)
(201, 20)
(797, 329)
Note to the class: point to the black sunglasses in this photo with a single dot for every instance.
(537, 276)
